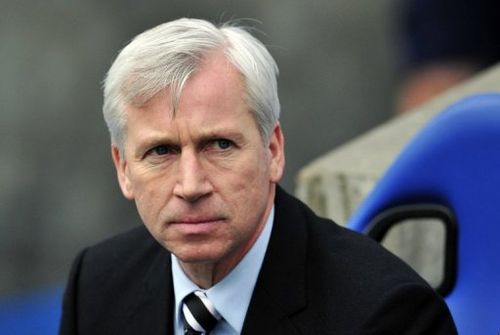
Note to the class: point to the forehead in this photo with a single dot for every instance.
(215, 81)
(213, 95)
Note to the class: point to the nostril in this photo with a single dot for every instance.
(193, 188)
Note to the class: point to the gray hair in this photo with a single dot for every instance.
(166, 55)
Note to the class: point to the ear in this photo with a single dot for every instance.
(122, 173)
(277, 150)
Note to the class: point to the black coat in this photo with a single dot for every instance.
(316, 278)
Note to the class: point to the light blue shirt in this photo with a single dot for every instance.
(231, 296)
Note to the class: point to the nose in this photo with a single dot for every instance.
(192, 181)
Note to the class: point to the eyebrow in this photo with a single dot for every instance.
(165, 139)
(149, 142)
(210, 135)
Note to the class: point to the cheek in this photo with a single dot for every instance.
(151, 196)
(146, 209)
(244, 180)
(262, 168)
(248, 187)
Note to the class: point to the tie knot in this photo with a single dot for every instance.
(200, 316)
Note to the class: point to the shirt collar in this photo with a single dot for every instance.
(240, 283)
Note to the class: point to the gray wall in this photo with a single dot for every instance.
(57, 185)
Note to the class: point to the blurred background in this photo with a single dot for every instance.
(345, 67)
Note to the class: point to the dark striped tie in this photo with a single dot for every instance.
(200, 316)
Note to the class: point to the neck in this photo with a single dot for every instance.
(202, 275)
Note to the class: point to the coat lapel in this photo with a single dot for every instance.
(153, 311)
(280, 289)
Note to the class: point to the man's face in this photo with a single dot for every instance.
(203, 179)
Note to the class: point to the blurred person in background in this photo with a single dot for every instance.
(445, 42)
(193, 113)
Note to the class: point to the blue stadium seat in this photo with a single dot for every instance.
(31, 313)
(452, 168)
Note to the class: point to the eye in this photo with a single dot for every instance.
(219, 145)
(160, 150)
(223, 144)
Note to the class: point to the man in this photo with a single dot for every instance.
(193, 114)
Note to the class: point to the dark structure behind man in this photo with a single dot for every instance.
(193, 113)
(445, 42)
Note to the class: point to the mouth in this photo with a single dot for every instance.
(196, 226)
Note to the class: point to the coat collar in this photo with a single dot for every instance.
(280, 289)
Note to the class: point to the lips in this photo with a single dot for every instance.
(196, 225)
(195, 220)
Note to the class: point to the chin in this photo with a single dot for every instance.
(201, 255)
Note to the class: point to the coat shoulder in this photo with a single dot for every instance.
(352, 282)
(113, 281)
(118, 259)
(126, 246)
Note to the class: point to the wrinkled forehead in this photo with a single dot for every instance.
(141, 87)
(212, 78)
